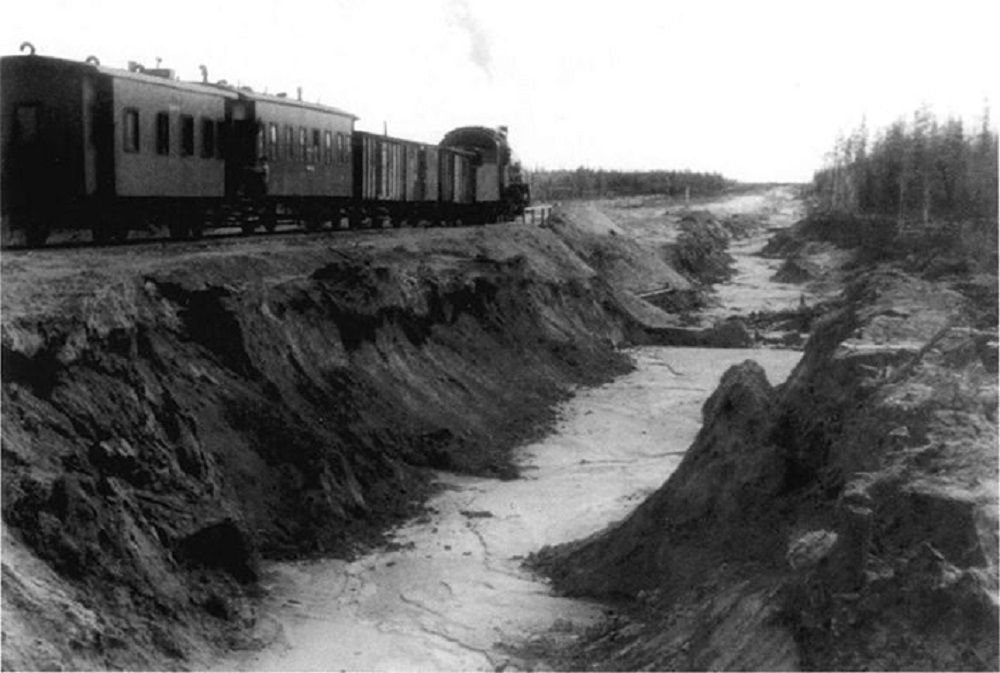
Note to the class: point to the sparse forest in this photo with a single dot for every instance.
(589, 183)
(918, 186)
(919, 171)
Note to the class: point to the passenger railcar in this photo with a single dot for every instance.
(302, 158)
(81, 144)
(86, 145)
(167, 164)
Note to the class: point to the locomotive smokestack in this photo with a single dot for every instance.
(298, 92)
(502, 130)
(204, 74)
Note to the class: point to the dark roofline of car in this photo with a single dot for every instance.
(223, 90)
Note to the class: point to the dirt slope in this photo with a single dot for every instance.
(847, 520)
(612, 251)
(173, 413)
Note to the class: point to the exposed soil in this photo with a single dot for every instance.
(192, 432)
(174, 413)
(844, 520)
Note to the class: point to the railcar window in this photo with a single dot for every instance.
(221, 136)
(302, 145)
(290, 143)
(260, 139)
(272, 141)
(314, 152)
(162, 133)
(207, 138)
(327, 147)
(341, 148)
(130, 130)
(187, 135)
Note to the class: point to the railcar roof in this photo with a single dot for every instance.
(222, 90)
(193, 87)
(294, 102)
(407, 141)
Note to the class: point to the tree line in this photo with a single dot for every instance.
(589, 183)
(917, 171)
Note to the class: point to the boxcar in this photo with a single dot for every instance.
(395, 178)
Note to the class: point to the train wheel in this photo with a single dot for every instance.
(118, 228)
(270, 218)
(99, 232)
(178, 230)
(37, 234)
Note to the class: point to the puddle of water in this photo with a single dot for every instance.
(454, 588)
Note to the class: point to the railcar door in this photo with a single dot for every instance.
(240, 143)
(31, 201)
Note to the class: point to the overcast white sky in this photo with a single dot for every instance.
(756, 90)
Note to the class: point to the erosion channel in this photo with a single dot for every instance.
(451, 590)
(501, 447)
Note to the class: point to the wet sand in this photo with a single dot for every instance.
(452, 587)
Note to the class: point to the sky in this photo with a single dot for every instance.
(756, 90)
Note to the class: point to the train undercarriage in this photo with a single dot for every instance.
(188, 219)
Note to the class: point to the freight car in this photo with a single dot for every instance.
(84, 145)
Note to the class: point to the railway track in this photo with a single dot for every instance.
(81, 239)
(73, 239)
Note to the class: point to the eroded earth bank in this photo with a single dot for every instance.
(210, 450)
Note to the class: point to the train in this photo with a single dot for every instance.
(83, 145)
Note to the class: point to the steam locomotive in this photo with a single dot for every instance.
(84, 145)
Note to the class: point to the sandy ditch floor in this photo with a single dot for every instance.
(450, 589)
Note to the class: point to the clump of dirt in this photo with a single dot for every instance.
(700, 249)
(846, 520)
(169, 419)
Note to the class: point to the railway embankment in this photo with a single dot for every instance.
(846, 519)
(174, 414)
